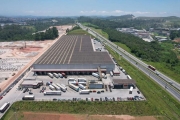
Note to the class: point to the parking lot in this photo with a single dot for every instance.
(122, 94)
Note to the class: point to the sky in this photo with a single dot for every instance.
(89, 7)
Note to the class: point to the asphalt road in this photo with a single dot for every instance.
(167, 83)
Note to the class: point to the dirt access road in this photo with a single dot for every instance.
(56, 116)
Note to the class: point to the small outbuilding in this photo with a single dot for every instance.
(123, 83)
(31, 84)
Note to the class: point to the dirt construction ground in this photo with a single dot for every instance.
(56, 116)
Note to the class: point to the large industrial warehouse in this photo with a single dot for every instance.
(73, 54)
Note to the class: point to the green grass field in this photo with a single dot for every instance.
(90, 25)
(94, 27)
(104, 34)
(79, 32)
(159, 103)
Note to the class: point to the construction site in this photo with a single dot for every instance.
(17, 56)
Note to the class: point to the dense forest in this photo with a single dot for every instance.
(175, 34)
(46, 23)
(50, 33)
(147, 51)
(15, 32)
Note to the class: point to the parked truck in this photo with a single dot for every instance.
(129, 77)
(50, 75)
(111, 73)
(61, 87)
(60, 75)
(51, 87)
(95, 75)
(64, 86)
(76, 88)
(83, 83)
(130, 90)
(84, 92)
(64, 75)
(82, 86)
(56, 87)
(56, 75)
(81, 79)
(52, 93)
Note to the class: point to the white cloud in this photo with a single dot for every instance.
(118, 11)
(115, 12)
(140, 12)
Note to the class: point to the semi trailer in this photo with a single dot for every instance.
(52, 93)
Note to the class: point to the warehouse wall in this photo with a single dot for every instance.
(108, 67)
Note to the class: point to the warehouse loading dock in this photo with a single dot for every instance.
(123, 83)
(73, 54)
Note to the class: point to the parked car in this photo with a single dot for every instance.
(138, 92)
(54, 99)
(98, 92)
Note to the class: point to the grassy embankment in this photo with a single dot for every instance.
(159, 103)
(96, 28)
(79, 32)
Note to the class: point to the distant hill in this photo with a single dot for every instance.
(156, 18)
(122, 17)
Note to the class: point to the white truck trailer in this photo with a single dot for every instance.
(52, 93)
(51, 87)
(130, 90)
(111, 73)
(95, 75)
(76, 88)
(82, 86)
(129, 77)
(81, 79)
(84, 92)
(56, 87)
(62, 87)
(50, 75)
(60, 75)
(56, 75)
(83, 83)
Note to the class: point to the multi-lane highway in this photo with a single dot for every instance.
(167, 83)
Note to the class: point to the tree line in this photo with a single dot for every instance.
(50, 33)
(17, 32)
(174, 34)
(14, 33)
